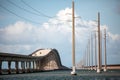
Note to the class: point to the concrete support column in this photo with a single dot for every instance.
(26, 66)
(39, 65)
(0, 67)
(16, 66)
(33, 65)
(29, 66)
(36, 65)
(49, 63)
(23, 66)
(9, 67)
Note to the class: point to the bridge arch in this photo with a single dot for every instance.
(39, 60)
(51, 59)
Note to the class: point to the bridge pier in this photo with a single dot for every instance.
(29, 66)
(23, 66)
(33, 65)
(26, 66)
(37, 66)
(0, 67)
(16, 66)
(39, 63)
(9, 67)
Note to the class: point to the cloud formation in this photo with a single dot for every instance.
(23, 37)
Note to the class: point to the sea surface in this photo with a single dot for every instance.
(64, 75)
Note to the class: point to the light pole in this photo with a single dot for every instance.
(99, 46)
(87, 56)
(105, 60)
(73, 40)
(91, 52)
(95, 53)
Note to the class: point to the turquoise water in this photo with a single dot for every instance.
(64, 75)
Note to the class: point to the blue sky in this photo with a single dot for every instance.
(34, 30)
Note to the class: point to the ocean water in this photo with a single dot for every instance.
(64, 75)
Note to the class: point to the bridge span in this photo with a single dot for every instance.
(40, 60)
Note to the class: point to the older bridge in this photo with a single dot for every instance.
(40, 60)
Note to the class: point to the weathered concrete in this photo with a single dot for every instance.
(40, 60)
(51, 60)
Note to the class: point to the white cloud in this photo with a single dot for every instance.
(114, 37)
(65, 14)
(23, 37)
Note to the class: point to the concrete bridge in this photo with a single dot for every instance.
(40, 60)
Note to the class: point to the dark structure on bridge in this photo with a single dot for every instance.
(40, 60)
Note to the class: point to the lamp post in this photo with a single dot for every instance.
(73, 40)
(91, 51)
(105, 60)
(95, 53)
(99, 46)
